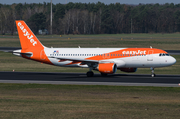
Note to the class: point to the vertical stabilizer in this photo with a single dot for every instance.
(27, 37)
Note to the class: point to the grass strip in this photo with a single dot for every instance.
(77, 101)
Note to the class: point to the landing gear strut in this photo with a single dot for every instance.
(152, 72)
(90, 74)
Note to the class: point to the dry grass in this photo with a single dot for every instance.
(166, 41)
(68, 101)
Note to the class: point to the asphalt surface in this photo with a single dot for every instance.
(82, 79)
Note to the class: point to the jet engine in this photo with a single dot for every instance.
(129, 70)
(107, 68)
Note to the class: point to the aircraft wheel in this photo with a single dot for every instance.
(153, 75)
(90, 74)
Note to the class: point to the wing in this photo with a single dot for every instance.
(75, 59)
(83, 61)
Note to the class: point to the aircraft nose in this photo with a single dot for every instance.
(172, 60)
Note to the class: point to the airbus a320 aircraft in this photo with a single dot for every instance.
(105, 60)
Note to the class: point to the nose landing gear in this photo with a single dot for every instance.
(152, 72)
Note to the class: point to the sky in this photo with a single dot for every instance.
(135, 2)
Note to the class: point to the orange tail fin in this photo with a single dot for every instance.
(27, 37)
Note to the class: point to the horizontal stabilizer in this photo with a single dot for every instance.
(19, 53)
(9, 49)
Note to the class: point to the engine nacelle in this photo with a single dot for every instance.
(129, 70)
(107, 68)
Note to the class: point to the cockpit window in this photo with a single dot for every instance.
(163, 54)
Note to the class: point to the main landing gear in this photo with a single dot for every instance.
(152, 72)
(90, 74)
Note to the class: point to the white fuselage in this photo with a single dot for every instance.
(129, 60)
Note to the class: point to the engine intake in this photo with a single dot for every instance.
(108, 68)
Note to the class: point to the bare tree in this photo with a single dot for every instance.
(117, 19)
(67, 21)
(5, 13)
(85, 20)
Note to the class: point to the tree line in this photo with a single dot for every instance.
(92, 18)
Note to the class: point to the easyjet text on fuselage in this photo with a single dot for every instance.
(134, 52)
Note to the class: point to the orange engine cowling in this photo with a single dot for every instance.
(108, 68)
(128, 69)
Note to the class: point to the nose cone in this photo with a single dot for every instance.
(172, 61)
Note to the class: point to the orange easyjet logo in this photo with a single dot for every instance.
(29, 36)
(134, 52)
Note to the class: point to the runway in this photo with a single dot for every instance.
(82, 79)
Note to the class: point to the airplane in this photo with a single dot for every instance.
(104, 60)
